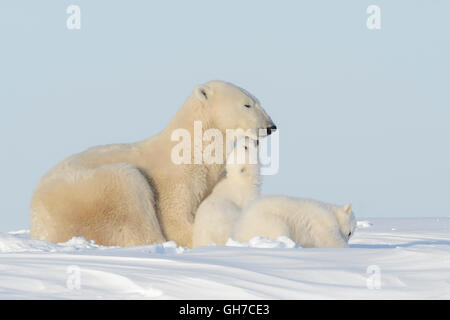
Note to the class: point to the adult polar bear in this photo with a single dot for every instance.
(134, 194)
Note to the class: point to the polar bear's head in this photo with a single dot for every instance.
(231, 107)
(346, 220)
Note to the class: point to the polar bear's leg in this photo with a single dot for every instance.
(177, 210)
(203, 234)
(112, 205)
(213, 224)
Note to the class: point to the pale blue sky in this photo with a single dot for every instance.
(363, 115)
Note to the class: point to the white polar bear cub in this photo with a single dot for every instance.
(218, 213)
(310, 223)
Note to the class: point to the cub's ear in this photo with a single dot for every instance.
(348, 208)
(203, 92)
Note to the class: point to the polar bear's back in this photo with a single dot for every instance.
(274, 216)
(94, 157)
(290, 207)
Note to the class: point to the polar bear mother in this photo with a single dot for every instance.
(134, 194)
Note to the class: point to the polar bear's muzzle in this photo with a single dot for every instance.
(271, 129)
(264, 132)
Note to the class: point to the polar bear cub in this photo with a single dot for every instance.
(218, 213)
(310, 223)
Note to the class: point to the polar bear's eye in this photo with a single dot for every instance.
(349, 234)
(247, 106)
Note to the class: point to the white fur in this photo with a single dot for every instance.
(217, 214)
(308, 222)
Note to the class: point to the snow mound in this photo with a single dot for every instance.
(262, 242)
(169, 247)
(20, 241)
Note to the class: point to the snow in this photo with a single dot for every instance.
(410, 257)
(260, 242)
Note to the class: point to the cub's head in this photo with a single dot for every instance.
(242, 163)
(231, 107)
(346, 220)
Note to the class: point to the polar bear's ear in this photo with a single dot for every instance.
(202, 92)
(348, 208)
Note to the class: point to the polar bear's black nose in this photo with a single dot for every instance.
(271, 129)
